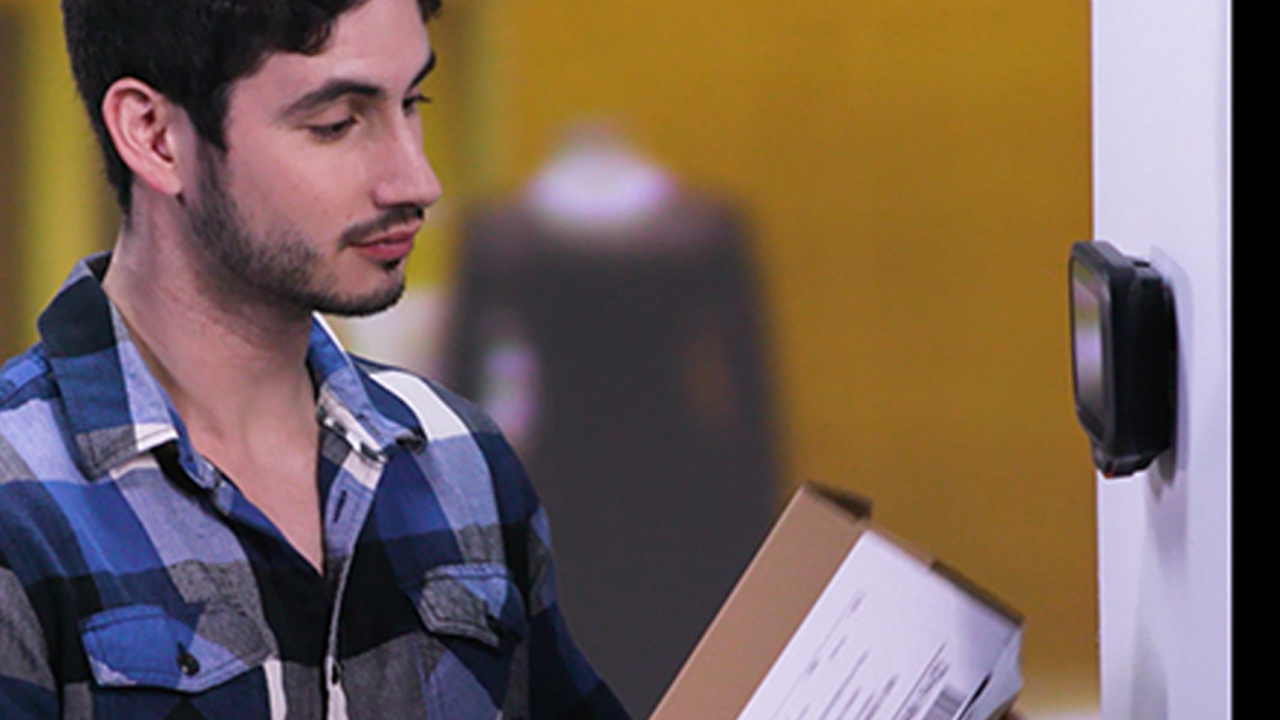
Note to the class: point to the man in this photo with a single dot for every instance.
(207, 508)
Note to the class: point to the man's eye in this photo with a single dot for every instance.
(412, 102)
(332, 131)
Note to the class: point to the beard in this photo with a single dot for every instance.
(282, 269)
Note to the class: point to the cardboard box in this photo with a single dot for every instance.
(836, 620)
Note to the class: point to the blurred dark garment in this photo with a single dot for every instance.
(628, 362)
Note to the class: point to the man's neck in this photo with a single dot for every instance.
(236, 373)
(221, 359)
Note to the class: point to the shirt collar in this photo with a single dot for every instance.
(343, 391)
(115, 408)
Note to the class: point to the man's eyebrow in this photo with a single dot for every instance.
(425, 71)
(342, 87)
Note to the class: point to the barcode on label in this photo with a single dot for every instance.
(946, 705)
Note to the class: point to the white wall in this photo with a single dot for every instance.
(1162, 148)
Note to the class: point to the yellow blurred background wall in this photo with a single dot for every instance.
(916, 170)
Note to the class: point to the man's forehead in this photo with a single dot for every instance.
(380, 43)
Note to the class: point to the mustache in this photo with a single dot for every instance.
(392, 218)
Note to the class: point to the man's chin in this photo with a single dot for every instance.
(359, 306)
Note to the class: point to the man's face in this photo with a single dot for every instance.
(317, 199)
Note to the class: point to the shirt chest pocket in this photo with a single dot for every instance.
(191, 650)
(469, 600)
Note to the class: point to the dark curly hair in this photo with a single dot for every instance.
(191, 51)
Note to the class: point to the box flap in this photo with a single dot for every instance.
(808, 542)
(808, 562)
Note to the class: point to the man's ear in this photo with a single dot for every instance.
(152, 135)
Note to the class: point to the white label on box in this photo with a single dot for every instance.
(888, 639)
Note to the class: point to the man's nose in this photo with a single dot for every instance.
(405, 176)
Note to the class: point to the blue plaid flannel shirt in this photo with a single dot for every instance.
(136, 582)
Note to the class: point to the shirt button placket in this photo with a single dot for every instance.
(337, 700)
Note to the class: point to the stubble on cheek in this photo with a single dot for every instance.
(279, 267)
